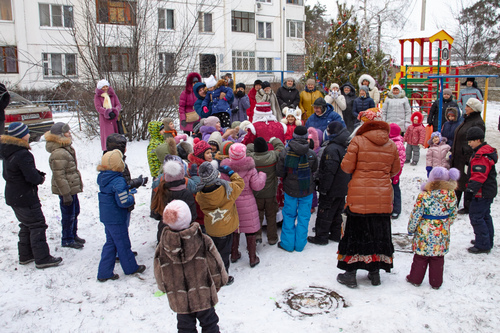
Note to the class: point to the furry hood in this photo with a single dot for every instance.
(401, 94)
(55, 141)
(10, 144)
(240, 166)
(189, 81)
(176, 246)
(455, 112)
(419, 116)
(450, 185)
(367, 77)
(352, 93)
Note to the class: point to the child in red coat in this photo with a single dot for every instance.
(291, 120)
(414, 138)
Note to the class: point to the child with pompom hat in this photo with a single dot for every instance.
(245, 204)
(430, 221)
(191, 284)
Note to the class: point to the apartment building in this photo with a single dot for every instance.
(46, 42)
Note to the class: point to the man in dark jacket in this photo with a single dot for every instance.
(448, 102)
(348, 91)
(4, 102)
(21, 193)
(323, 115)
(332, 186)
(481, 189)
(288, 95)
(296, 165)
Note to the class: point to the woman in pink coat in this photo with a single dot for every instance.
(245, 204)
(108, 106)
(186, 102)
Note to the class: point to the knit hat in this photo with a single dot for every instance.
(334, 85)
(296, 113)
(240, 85)
(102, 83)
(208, 174)
(257, 82)
(200, 148)
(447, 91)
(263, 107)
(166, 122)
(225, 147)
(235, 124)
(475, 133)
(334, 127)
(260, 145)
(237, 151)
(177, 215)
(365, 88)
(112, 160)
(395, 130)
(314, 136)
(18, 130)
(300, 132)
(434, 135)
(184, 149)
(320, 102)
(59, 128)
(116, 141)
(440, 173)
(265, 84)
(210, 82)
(474, 104)
(211, 121)
(173, 170)
(215, 139)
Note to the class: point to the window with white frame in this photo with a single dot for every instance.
(264, 30)
(116, 12)
(242, 21)
(166, 63)
(166, 19)
(244, 60)
(267, 1)
(266, 64)
(59, 64)
(295, 62)
(117, 59)
(295, 29)
(55, 15)
(8, 59)
(295, 2)
(205, 22)
(5, 10)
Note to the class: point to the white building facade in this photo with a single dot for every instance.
(41, 41)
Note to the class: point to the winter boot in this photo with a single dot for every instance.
(235, 254)
(348, 279)
(252, 250)
(374, 277)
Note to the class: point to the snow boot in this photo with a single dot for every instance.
(235, 254)
(374, 277)
(252, 250)
(348, 279)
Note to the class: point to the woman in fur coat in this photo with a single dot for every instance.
(245, 204)
(108, 106)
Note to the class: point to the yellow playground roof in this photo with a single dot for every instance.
(428, 36)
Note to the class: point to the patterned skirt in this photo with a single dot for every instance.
(366, 243)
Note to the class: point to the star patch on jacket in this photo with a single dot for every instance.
(217, 215)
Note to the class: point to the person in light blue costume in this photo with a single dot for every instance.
(470, 90)
(296, 166)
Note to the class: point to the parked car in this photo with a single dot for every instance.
(38, 117)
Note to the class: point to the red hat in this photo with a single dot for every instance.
(200, 148)
(263, 107)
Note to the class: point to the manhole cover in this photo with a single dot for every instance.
(401, 242)
(310, 301)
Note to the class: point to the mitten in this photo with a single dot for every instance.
(132, 191)
(112, 115)
(448, 156)
(193, 170)
(468, 196)
(283, 106)
(421, 146)
(67, 200)
(292, 106)
(205, 109)
(226, 169)
(183, 123)
(429, 169)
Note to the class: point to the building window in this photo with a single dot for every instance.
(5, 10)
(166, 19)
(242, 21)
(8, 59)
(167, 63)
(268, 1)
(244, 60)
(295, 63)
(266, 64)
(264, 30)
(296, 2)
(116, 59)
(205, 22)
(55, 15)
(59, 64)
(116, 11)
(295, 29)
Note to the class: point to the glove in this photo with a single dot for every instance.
(235, 110)
(420, 146)
(193, 170)
(227, 170)
(43, 176)
(468, 196)
(292, 106)
(137, 182)
(448, 156)
(205, 109)
(133, 191)
(429, 169)
(67, 200)
(112, 115)
(183, 123)
(283, 106)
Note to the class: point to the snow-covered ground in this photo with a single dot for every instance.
(69, 297)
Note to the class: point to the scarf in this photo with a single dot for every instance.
(299, 165)
(107, 101)
(216, 183)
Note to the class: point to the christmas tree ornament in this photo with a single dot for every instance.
(340, 22)
(349, 56)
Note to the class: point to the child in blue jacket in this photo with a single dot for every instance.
(114, 201)
(221, 98)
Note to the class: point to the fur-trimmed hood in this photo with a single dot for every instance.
(189, 81)
(375, 131)
(368, 78)
(450, 185)
(401, 94)
(240, 166)
(419, 116)
(10, 144)
(55, 141)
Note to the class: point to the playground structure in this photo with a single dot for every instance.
(422, 78)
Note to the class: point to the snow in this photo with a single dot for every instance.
(69, 297)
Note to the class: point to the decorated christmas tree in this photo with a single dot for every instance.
(344, 58)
